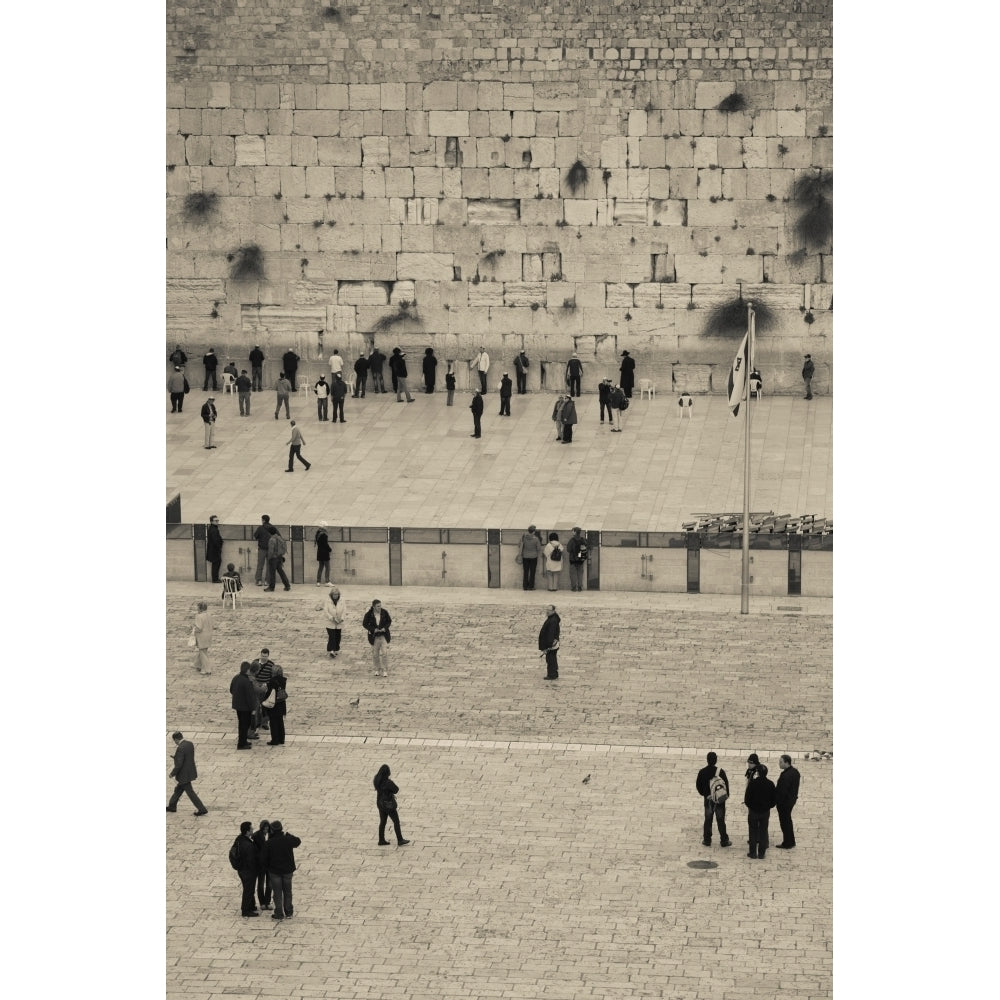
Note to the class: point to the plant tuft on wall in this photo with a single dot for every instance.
(198, 205)
(734, 102)
(331, 14)
(576, 176)
(814, 193)
(729, 319)
(247, 263)
(385, 323)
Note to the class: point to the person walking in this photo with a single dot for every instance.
(786, 794)
(282, 387)
(276, 549)
(184, 773)
(759, 798)
(521, 373)
(244, 704)
(715, 805)
(481, 363)
(279, 861)
(604, 398)
(808, 370)
(243, 387)
(568, 417)
(323, 552)
(430, 369)
(385, 799)
(506, 386)
(557, 415)
(338, 392)
(262, 535)
(377, 621)
(548, 643)
(274, 701)
(375, 362)
(576, 549)
(290, 365)
(627, 370)
(209, 415)
(552, 555)
(360, 376)
(247, 863)
(397, 364)
(211, 363)
(263, 879)
(449, 384)
(477, 413)
(619, 403)
(322, 390)
(529, 548)
(295, 443)
(175, 386)
(574, 372)
(213, 547)
(202, 632)
(256, 359)
(332, 610)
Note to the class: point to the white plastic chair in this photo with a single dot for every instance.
(304, 384)
(228, 382)
(646, 386)
(230, 590)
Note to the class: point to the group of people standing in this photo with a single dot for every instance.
(259, 699)
(531, 545)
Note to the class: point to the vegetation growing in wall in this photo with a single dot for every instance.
(199, 205)
(246, 263)
(403, 315)
(734, 102)
(729, 319)
(813, 193)
(576, 176)
(331, 14)
(493, 256)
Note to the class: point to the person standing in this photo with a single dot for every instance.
(213, 547)
(247, 867)
(243, 387)
(449, 384)
(263, 881)
(211, 363)
(244, 704)
(713, 808)
(322, 390)
(481, 363)
(808, 370)
(568, 418)
(759, 798)
(548, 643)
(618, 404)
(175, 386)
(786, 794)
(574, 372)
(295, 443)
(281, 389)
(576, 549)
(336, 365)
(338, 391)
(209, 415)
(275, 699)
(385, 801)
(261, 671)
(505, 392)
(604, 397)
(557, 415)
(521, 372)
(398, 366)
(528, 550)
(333, 612)
(477, 413)
(627, 370)
(256, 359)
(184, 773)
(552, 554)
(290, 365)
(178, 357)
(323, 552)
(360, 376)
(262, 536)
(377, 621)
(276, 549)
(203, 627)
(375, 362)
(279, 861)
(430, 369)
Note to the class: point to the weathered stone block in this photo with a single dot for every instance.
(678, 152)
(352, 123)
(338, 152)
(320, 181)
(394, 124)
(318, 123)
(256, 122)
(362, 293)
(650, 151)
(525, 184)
(519, 97)
(501, 183)
(392, 96)
(490, 96)
(790, 94)
(475, 182)
(556, 95)
(398, 182)
(490, 152)
(619, 296)
(484, 294)
(425, 266)
(791, 123)
(637, 123)
(266, 95)
(524, 293)
(709, 184)
(375, 151)
(373, 182)
(448, 123)
(364, 96)
(198, 150)
(280, 122)
(427, 182)
(522, 123)
(250, 150)
(304, 151)
(440, 95)
(710, 95)
(223, 150)
(218, 95)
(278, 150)
(715, 123)
(789, 152)
(580, 211)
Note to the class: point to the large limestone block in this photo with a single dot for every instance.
(705, 152)
(425, 266)
(734, 185)
(614, 153)
(452, 212)
(485, 294)
(684, 183)
(790, 94)
(525, 293)
(619, 296)
(709, 295)
(448, 123)
(250, 150)
(747, 213)
(637, 123)
(694, 379)
(710, 95)
(175, 150)
(392, 96)
(540, 212)
(519, 97)
(580, 211)
(636, 267)
(258, 123)
(364, 96)
(304, 150)
(266, 96)
(441, 95)
(427, 182)
(709, 184)
(198, 150)
(650, 151)
(715, 123)
(278, 150)
(303, 95)
(647, 294)
(398, 182)
(789, 152)
(362, 293)
(223, 150)
(490, 95)
(373, 182)
(791, 123)
(320, 181)
(557, 95)
(375, 151)
(522, 123)
(417, 239)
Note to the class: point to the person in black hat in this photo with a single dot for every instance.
(256, 359)
(759, 798)
(477, 413)
(506, 388)
(211, 363)
(208, 416)
(808, 370)
(628, 374)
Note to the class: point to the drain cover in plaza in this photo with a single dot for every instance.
(702, 864)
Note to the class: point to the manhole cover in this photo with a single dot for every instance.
(786, 607)
(702, 864)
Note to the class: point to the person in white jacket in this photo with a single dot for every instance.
(481, 363)
(332, 610)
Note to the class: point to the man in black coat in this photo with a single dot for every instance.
(279, 861)
(477, 413)
(360, 376)
(213, 547)
(759, 799)
(248, 860)
(808, 370)
(627, 370)
(244, 704)
(716, 809)
(290, 365)
(521, 371)
(211, 362)
(786, 795)
(506, 386)
(375, 362)
(257, 369)
(178, 357)
(548, 642)
(604, 398)
(263, 881)
(184, 773)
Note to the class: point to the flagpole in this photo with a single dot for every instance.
(745, 579)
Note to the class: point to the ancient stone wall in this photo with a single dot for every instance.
(519, 175)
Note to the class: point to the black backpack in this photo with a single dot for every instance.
(234, 855)
(556, 554)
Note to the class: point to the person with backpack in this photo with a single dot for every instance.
(713, 786)
(552, 554)
(244, 858)
(759, 798)
(576, 547)
(619, 404)
(276, 549)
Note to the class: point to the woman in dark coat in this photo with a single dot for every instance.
(385, 799)
(430, 369)
(322, 554)
(277, 713)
